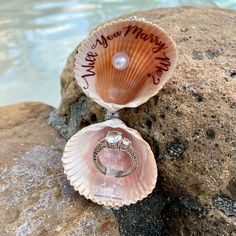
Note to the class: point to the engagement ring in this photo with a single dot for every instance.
(114, 140)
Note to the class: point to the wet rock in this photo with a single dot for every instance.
(198, 102)
(35, 197)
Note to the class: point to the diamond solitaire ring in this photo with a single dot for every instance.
(114, 140)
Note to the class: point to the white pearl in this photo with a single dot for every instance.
(120, 61)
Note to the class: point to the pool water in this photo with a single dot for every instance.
(36, 38)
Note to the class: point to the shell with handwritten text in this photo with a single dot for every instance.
(125, 62)
(103, 189)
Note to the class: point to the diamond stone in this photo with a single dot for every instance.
(113, 137)
(126, 142)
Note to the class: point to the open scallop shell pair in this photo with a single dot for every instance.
(121, 64)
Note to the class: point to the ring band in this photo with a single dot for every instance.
(114, 140)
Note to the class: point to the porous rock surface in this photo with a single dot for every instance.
(190, 124)
(35, 197)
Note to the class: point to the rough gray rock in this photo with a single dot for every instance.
(35, 197)
(69, 127)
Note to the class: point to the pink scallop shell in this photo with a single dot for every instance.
(88, 180)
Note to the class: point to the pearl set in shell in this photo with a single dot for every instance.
(120, 61)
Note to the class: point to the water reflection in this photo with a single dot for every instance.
(37, 36)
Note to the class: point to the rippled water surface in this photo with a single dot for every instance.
(37, 36)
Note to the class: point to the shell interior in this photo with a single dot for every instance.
(107, 189)
(151, 58)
